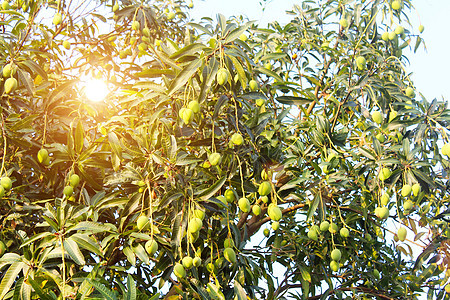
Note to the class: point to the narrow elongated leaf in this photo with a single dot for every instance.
(89, 226)
(43, 295)
(79, 137)
(74, 252)
(34, 67)
(9, 277)
(130, 255)
(35, 238)
(115, 144)
(292, 100)
(25, 78)
(188, 50)
(184, 76)
(206, 194)
(85, 242)
(240, 71)
(131, 288)
(305, 274)
(239, 291)
(313, 207)
(173, 148)
(237, 32)
(107, 293)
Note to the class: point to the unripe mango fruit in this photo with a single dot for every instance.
(265, 188)
(151, 246)
(274, 212)
(344, 232)
(244, 205)
(407, 205)
(188, 262)
(253, 85)
(228, 243)
(229, 195)
(275, 225)
(406, 190)
(313, 233)
(74, 180)
(195, 224)
(334, 266)
(446, 149)
(199, 214)
(9, 70)
(6, 183)
(222, 76)
(197, 261)
(142, 222)
(343, 22)
(396, 5)
(194, 106)
(42, 155)
(179, 270)
(324, 225)
(66, 44)
(384, 199)
(214, 158)
(135, 25)
(336, 255)
(416, 189)
(377, 117)
(10, 85)
(57, 19)
(229, 255)
(361, 62)
(401, 234)
(68, 191)
(237, 139)
(256, 209)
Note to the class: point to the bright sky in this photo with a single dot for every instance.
(430, 68)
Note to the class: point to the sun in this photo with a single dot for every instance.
(95, 90)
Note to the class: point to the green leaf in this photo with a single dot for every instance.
(188, 50)
(184, 76)
(240, 71)
(305, 274)
(35, 238)
(313, 207)
(107, 293)
(79, 137)
(222, 100)
(88, 243)
(130, 255)
(74, 252)
(215, 292)
(270, 73)
(44, 295)
(237, 32)
(131, 288)
(239, 291)
(89, 226)
(25, 78)
(292, 100)
(208, 193)
(10, 277)
(115, 144)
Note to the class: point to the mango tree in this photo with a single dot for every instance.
(227, 161)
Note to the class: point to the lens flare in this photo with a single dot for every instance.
(95, 90)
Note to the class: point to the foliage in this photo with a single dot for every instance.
(213, 131)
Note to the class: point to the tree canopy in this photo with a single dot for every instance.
(227, 161)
